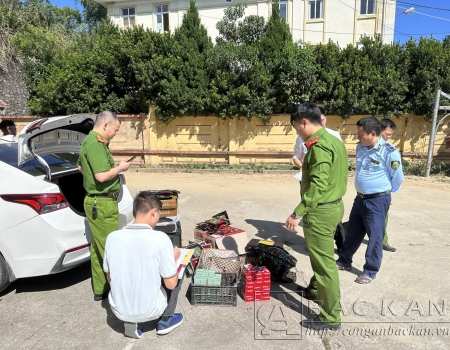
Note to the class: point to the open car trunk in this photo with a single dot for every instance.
(49, 148)
(71, 187)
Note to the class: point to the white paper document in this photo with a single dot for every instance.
(298, 176)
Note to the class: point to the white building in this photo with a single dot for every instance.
(313, 21)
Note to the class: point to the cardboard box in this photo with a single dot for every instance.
(163, 213)
(235, 240)
(170, 203)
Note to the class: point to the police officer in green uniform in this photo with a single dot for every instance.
(324, 182)
(387, 131)
(102, 185)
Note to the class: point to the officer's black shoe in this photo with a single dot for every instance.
(388, 248)
(317, 324)
(100, 297)
(303, 291)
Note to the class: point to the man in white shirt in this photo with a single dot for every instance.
(137, 260)
(300, 148)
(323, 118)
(8, 127)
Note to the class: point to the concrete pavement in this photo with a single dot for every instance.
(406, 306)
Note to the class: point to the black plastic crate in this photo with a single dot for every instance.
(173, 231)
(209, 295)
(228, 279)
(225, 295)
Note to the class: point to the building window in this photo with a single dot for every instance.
(128, 17)
(315, 9)
(282, 5)
(162, 18)
(368, 7)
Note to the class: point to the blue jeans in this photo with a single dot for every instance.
(367, 216)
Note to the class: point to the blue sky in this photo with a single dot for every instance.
(423, 21)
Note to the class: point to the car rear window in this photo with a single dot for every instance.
(58, 162)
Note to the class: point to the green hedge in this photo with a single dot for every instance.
(254, 69)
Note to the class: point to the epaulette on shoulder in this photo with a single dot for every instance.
(389, 147)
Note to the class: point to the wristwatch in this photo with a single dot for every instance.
(295, 216)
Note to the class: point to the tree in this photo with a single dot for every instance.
(12, 20)
(85, 77)
(428, 71)
(189, 82)
(294, 72)
(240, 83)
(93, 12)
(369, 80)
(388, 79)
(279, 55)
(237, 29)
(275, 37)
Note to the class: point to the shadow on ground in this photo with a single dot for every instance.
(117, 325)
(278, 233)
(50, 282)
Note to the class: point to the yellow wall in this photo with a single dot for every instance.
(233, 141)
(212, 140)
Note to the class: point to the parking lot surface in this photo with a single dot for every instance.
(406, 306)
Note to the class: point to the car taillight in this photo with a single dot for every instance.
(77, 248)
(36, 125)
(41, 203)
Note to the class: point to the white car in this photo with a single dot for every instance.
(43, 227)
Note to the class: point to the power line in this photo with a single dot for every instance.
(424, 14)
(416, 5)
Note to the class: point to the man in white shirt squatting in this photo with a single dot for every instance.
(140, 266)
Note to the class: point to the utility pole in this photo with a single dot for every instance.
(435, 126)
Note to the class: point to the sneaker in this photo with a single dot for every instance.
(133, 330)
(305, 293)
(100, 297)
(165, 327)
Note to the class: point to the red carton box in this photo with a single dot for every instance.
(255, 283)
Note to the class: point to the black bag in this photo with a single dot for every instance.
(339, 235)
(277, 260)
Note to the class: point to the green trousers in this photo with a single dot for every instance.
(319, 226)
(385, 237)
(107, 221)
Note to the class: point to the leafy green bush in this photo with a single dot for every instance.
(418, 167)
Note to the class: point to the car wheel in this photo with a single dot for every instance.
(4, 275)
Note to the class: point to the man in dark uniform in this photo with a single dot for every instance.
(324, 182)
(378, 173)
(102, 185)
